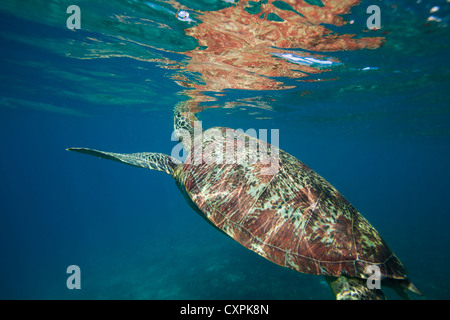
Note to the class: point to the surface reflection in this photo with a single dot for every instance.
(254, 45)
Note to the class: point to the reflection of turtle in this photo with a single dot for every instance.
(280, 209)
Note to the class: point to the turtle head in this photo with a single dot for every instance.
(186, 126)
(186, 121)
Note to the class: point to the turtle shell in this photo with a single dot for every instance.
(284, 211)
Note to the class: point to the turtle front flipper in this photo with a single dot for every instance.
(347, 288)
(149, 160)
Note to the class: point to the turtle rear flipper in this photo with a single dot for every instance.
(402, 286)
(347, 288)
(149, 160)
(411, 287)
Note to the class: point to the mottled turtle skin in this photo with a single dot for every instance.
(283, 210)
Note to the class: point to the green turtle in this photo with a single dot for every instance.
(275, 205)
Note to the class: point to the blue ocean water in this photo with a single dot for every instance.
(375, 125)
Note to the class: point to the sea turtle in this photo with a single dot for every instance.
(276, 206)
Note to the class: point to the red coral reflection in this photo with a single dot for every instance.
(244, 46)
